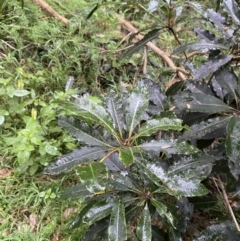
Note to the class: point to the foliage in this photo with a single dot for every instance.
(121, 157)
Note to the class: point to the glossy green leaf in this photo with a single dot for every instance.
(117, 230)
(137, 104)
(169, 147)
(79, 190)
(162, 210)
(79, 131)
(98, 211)
(233, 146)
(76, 157)
(89, 110)
(92, 172)
(144, 229)
(2, 118)
(126, 156)
(148, 37)
(151, 126)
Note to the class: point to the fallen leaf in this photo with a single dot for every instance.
(69, 211)
(5, 172)
(33, 219)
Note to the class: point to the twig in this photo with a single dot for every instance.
(51, 11)
(161, 53)
(145, 61)
(228, 204)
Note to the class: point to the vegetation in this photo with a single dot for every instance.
(131, 143)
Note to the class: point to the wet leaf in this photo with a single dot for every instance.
(76, 157)
(117, 230)
(89, 110)
(212, 66)
(113, 162)
(233, 10)
(137, 104)
(148, 37)
(79, 131)
(92, 172)
(199, 102)
(151, 126)
(233, 146)
(144, 229)
(205, 35)
(201, 45)
(225, 232)
(162, 210)
(168, 147)
(79, 190)
(98, 211)
(126, 156)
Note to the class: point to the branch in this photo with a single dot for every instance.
(161, 53)
(51, 11)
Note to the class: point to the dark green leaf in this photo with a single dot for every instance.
(233, 10)
(211, 66)
(233, 145)
(126, 156)
(117, 227)
(225, 232)
(207, 129)
(151, 126)
(144, 229)
(174, 88)
(92, 11)
(201, 45)
(199, 102)
(76, 157)
(205, 34)
(174, 235)
(113, 162)
(227, 79)
(98, 211)
(79, 131)
(148, 37)
(89, 110)
(192, 167)
(137, 104)
(158, 234)
(162, 210)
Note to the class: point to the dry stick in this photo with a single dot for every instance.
(228, 204)
(161, 53)
(51, 11)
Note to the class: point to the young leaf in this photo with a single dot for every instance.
(162, 210)
(79, 131)
(76, 157)
(126, 156)
(144, 230)
(137, 104)
(211, 66)
(92, 172)
(151, 126)
(117, 227)
(232, 146)
(201, 45)
(232, 8)
(89, 110)
(148, 37)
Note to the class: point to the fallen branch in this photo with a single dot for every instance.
(51, 11)
(161, 53)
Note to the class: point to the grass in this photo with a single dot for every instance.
(39, 54)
